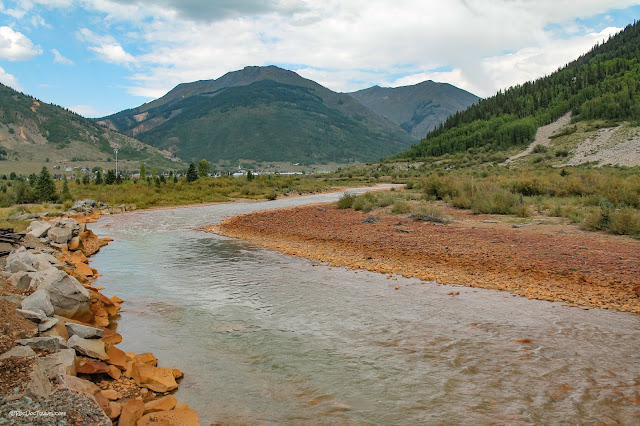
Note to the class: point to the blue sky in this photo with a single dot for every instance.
(98, 57)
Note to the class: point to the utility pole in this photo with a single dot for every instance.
(116, 151)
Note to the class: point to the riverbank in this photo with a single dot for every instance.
(547, 261)
(58, 352)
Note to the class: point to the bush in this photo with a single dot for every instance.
(540, 149)
(400, 207)
(625, 222)
(346, 201)
(494, 200)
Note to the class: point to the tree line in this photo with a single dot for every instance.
(601, 84)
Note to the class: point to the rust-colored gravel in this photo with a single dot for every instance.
(545, 261)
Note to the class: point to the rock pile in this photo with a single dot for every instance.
(69, 351)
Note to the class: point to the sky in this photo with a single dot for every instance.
(98, 57)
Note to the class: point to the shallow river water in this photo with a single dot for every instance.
(265, 338)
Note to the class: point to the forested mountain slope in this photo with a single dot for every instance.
(602, 84)
(262, 114)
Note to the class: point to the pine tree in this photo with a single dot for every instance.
(143, 171)
(110, 177)
(192, 174)
(65, 194)
(45, 187)
(98, 177)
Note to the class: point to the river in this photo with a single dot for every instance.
(265, 338)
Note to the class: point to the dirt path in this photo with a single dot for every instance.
(548, 262)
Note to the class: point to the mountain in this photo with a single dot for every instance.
(34, 131)
(603, 84)
(261, 114)
(417, 109)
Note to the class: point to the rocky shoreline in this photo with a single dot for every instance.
(546, 261)
(59, 359)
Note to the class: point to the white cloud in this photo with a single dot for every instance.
(530, 63)
(350, 45)
(9, 80)
(85, 110)
(15, 46)
(343, 45)
(38, 21)
(106, 47)
(58, 58)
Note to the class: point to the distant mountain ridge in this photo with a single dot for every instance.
(34, 131)
(418, 108)
(261, 114)
(272, 114)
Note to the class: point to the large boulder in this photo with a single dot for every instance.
(44, 261)
(181, 415)
(68, 297)
(39, 385)
(38, 228)
(157, 379)
(117, 357)
(84, 331)
(163, 404)
(93, 348)
(60, 235)
(21, 280)
(61, 362)
(78, 384)
(131, 412)
(40, 278)
(38, 301)
(49, 342)
(19, 260)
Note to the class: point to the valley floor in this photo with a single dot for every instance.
(541, 260)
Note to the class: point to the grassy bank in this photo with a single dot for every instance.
(602, 199)
(165, 192)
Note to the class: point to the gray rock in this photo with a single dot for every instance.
(19, 260)
(63, 246)
(40, 278)
(48, 324)
(21, 280)
(19, 351)
(82, 205)
(60, 235)
(77, 384)
(50, 342)
(35, 316)
(84, 331)
(93, 348)
(61, 362)
(44, 261)
(68, 297)
(70, 223)
(39, 385)
(39, 301)
(38, 229)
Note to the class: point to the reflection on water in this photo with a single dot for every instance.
(267, 338)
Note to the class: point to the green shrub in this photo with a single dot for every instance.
(400, 207)
(346, 201)
(540, 149)
(625, 222)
